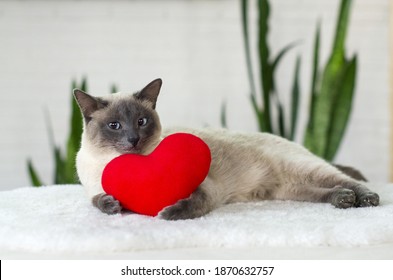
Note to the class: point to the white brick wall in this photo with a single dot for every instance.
(195, 46)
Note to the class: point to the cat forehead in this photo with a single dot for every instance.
(118, 97)
(122, 105)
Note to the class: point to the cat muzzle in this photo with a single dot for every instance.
(133, 141)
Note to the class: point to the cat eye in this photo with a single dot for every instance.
(142, 121)
(114, 125)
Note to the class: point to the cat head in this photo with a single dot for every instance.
(122, 123)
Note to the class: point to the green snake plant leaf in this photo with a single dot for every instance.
(309, 135)
(341, 109)
(324, 104)
(295, 100)
(281, 119)
(263, 119)
(64, 171)
(260, 114)
(223, 116)
(34, 178)
(315, 63)
(74, 139)
(269, 96)
(330, 85)
(265, 67)
(341, 28)
(277, 60)
(273, 66)
(114, 89)
(281, 54)
(60, 174)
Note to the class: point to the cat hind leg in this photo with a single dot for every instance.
(364, 196)
(350, 194)
(340, 195)
(332, 186)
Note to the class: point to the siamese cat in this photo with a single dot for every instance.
(245, 166)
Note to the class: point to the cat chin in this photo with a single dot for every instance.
(130, 150)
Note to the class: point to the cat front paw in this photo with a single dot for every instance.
(182, 210)
(343, 198)
(368, 199)
(197, 205)
(175, 212)
(107, 204)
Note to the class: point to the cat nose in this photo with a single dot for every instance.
(133, 140)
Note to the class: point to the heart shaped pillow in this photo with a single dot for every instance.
(147, 184)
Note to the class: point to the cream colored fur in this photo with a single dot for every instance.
(254, 166)
(90, 163)
(244, 167)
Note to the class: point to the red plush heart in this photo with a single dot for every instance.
(147, 184)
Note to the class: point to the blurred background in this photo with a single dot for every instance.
(197, 48)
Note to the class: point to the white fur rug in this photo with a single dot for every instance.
(60, 219)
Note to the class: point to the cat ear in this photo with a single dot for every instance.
(87, 103)
(150, 92)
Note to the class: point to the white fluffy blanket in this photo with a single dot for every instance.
(60, 219)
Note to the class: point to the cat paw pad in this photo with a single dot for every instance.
(179, 211)
(109, 205)
(344, 198)
(368, 199)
